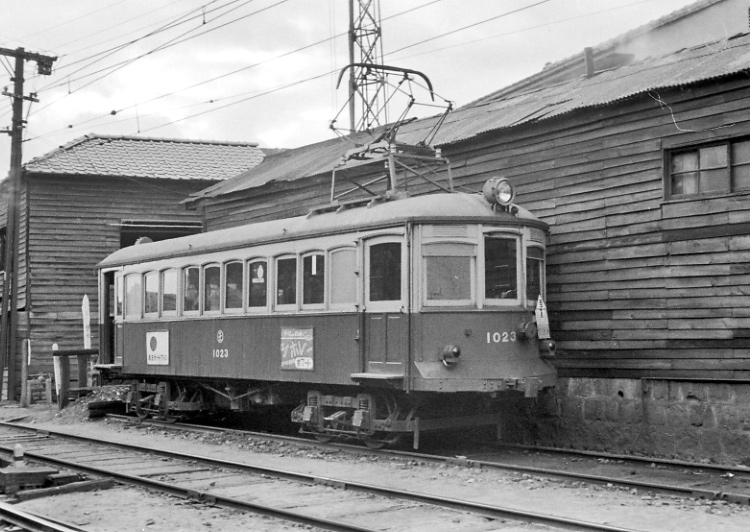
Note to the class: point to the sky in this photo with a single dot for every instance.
(265, 71)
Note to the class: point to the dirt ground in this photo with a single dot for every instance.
(120, 509)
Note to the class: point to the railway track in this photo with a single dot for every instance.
(321, 502)
(647, 475)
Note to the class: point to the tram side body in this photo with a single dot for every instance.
(374, 321)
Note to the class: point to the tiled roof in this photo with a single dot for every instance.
(110, 156)
(650, 77)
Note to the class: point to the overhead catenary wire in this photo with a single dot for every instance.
(269, 91)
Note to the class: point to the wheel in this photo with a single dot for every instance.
(380, 440)
(323, 437)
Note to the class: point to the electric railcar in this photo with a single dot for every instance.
(405, 315)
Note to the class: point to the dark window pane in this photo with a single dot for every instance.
(534, 273)
(169, 291)
(212, 289)
(190, 284)
(500, 270)
(684, 162)
(313, 279)
(286, 281)
(258, 283)
(385, 272)
(233, 285)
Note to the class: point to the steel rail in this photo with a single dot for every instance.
(31, 522)
(485, 510)
(672, 489)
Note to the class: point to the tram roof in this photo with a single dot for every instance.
(442, 207)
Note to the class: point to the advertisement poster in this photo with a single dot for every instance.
(297, 349)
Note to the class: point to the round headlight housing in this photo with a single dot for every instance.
(499, 191)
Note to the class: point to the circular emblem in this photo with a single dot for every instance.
(152, 343)
(220, 336)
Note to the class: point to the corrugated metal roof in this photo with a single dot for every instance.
(110, 156)
(683, 68)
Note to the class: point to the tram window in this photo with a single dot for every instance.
(344, 273)
(190, 289)
(313, 279)
(534, 273)
(133, 295)
(286, 281)
(233, 285)
(151, 303)
(385, 272)
(448, 269)
(119, 295)
(258, 284)
(500, 267)
(211, 288)
(169, 292)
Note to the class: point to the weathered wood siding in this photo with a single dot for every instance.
(73, 226)
(638, 286)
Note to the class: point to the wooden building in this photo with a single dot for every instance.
(643, 172)
(89, 198)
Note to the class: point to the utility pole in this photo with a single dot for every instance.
(9, 304)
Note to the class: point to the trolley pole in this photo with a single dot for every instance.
(9, 304)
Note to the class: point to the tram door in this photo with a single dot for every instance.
(386, 324)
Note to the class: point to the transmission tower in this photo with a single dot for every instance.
(367, 89)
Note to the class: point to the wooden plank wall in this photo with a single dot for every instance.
(72, 228)
(638, 287)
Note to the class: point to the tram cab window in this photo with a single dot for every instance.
(534, 273)
(343, 266)
(119, 295)
(133, 295)
(313, 279)
(233, 285)
(211, 288)
(385, 272)
(169, 292)
(448, 272)
(151, 285)
(190, 289)
(500, 267)
(258, 277)
(286, 281)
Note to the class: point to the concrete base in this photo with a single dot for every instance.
(17, 477)
(697, 421)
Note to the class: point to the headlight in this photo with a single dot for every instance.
(499, 191)
(450, 355)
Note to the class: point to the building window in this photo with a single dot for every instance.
(720, 168)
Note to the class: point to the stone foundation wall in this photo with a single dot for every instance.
(697, 421)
